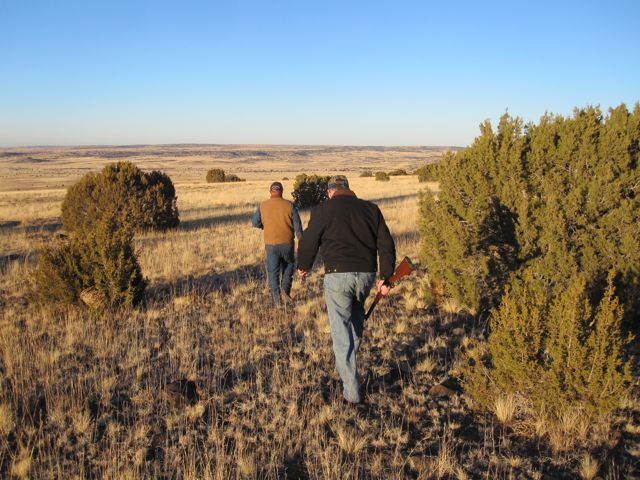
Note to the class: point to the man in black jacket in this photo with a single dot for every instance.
(350, 234)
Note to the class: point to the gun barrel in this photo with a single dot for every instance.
(373, 305)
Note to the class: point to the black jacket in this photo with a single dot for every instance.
(348, 232)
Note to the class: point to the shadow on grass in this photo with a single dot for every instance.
(14, 226)
(6, 260)
(221, 281)
(395, 199)
(208, 222)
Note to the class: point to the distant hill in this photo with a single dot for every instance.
(35, 167)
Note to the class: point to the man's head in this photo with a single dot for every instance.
(337, 182)
(276, 189)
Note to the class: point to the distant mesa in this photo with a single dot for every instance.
(30, 160)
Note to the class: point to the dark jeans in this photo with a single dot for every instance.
(281, 264)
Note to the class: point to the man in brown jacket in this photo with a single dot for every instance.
(279, 219)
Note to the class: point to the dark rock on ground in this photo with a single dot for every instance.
(441, 391)
(182, 392)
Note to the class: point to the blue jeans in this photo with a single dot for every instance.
(345, 294)
(281, 264)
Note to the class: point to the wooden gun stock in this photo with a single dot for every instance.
(404, 268)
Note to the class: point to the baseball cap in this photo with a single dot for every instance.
(276, 186)
(337, 182)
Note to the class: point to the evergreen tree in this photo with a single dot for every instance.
(310, 190)
(538, 226)
(560, 195)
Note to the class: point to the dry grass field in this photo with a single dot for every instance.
(86, 395)
(37, 168)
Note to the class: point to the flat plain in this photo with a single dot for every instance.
(207, 380)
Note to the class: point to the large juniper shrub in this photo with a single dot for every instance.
(101, 212)
(537, 226)
(141, 200)
(310, 190)
(561, 195)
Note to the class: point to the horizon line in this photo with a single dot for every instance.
(132, 145)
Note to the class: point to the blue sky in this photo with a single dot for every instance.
(304, 72)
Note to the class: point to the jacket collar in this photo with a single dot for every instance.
(344, 193)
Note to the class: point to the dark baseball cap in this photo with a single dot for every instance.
(276, 187)
(337, 182)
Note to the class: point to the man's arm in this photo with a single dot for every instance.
(386, 248)
(297, 224)
(310, 241)
(256, 220)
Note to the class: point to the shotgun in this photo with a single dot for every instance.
(404, 268)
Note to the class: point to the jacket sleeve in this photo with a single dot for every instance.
(386, 248)
(256, 220)
(297, 224)
(310, 241)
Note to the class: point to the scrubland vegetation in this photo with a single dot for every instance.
(218, 175)
(382, 176)
(95, 262)
(310, 190)
(204, 379)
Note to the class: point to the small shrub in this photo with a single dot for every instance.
(233, 178)
(141, 200)
(382, 176)
(310, 190)
(398, 172)
(216, 175)
(285, 178)
(366, 174)
(59, 276)
(103, 261)
(159, 210)
(115, 271)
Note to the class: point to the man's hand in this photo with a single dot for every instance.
(381, 288)
(302, 273)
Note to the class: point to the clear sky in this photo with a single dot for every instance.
(304, 72)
